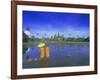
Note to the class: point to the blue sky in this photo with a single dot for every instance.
(68, 24)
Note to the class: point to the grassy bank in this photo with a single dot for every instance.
(63, 42)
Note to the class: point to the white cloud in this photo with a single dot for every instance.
(28, 33)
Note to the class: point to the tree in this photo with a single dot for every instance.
(86, 39)
(25, 37)
(32, 38)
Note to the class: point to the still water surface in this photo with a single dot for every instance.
(61, 54)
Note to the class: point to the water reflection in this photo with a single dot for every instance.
(44, 62)
(60, 55)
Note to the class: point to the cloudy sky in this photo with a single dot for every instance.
(68, 24)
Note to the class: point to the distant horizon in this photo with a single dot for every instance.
(30, 35)
(51, 23)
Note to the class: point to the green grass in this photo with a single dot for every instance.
(56, 42)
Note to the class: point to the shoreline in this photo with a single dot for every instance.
(62, 42)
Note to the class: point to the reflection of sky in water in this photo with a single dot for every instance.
(33, 52)
(60, 55)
